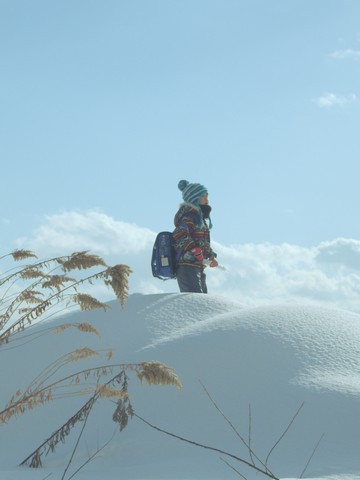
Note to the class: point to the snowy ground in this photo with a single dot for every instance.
(268, 360)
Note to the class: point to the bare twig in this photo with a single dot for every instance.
(233, 468)
(311, 456)
(207, 447)
(47, 476)
(250, 425)
(77, 441)
(284, 433)
(34, 459)
(91, 457)
(247, 445)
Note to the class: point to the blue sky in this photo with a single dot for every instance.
(106, 105)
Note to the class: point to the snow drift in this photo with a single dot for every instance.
(258, 364)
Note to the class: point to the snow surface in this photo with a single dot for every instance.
(269, 359)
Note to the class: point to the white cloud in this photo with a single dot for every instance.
(115, 241)
(326, 274)
(348, 53)
(334, 100)
(74, 231)
(342, 252)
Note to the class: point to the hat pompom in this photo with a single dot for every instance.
(183, 184)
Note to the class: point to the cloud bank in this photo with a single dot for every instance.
(93, 230)
(326, 274)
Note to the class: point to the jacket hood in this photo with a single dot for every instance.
(185, 208)
(190, 206)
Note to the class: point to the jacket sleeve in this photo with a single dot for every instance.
(212, 253)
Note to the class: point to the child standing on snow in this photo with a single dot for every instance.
(192, 238)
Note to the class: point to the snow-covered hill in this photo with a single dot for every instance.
(258, 364)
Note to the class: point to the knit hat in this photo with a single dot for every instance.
(192, 192)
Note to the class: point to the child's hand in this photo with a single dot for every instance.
(213, 262)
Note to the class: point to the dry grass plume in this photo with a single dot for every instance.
(156, 373)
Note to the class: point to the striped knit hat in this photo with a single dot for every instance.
(192, 192)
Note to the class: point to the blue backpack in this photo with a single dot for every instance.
(163, 260)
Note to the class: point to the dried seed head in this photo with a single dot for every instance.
(156, 373)
(81, 261)
(87, 302)
(22, 254)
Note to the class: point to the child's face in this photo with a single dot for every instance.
(204, 200)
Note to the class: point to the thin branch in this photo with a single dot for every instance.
(91, 457)
(284, 433)
(250, 425)
(59, 433)
(233, 468)
(311, 456)
(47, 476)
(78, 440)
(207, 447)
(251, 452)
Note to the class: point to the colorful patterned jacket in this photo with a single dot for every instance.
(191, 231)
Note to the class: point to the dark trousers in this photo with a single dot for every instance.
(191, 279)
